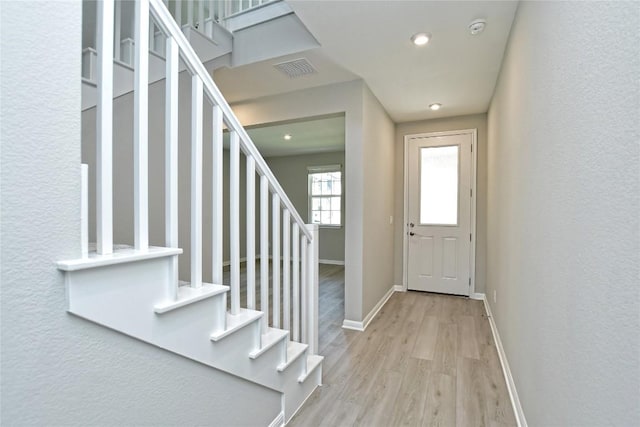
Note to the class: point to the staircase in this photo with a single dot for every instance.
(136, 290)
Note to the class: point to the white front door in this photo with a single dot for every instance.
(439, 213)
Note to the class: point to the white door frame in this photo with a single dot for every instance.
(474, 167)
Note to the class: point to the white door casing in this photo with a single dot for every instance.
(439, 212)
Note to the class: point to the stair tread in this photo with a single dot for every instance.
(313, 361)
(121, 254)
(294, 350)
(268, 340)
(234, 322)
(188, 295)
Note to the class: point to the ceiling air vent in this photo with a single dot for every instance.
(296, 68)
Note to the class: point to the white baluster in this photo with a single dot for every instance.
(304, 252)
(201, 26)
(234, 219)
(221, 11)
(196, 182)
(117, 29)
(141, 127)
(312, 287)
(251, 233)
(178, 13)
(152, 37)
(190, 12)
(286, 268)
(275, 260)
(296, 282)
(212, 16)
(217, 198)
(264, 250)
(104, 128)
(84, 210)
(171, 157)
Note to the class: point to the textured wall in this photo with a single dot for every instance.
(292, 174)
(563, 211)
(476, 121)
(378, 198)
(58, 369)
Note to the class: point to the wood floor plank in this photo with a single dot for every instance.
(408, 408)
(405, 340)
(380, 398)
(440, 404)
(467, 337)
(446, 351)
(363, 377)
(344, 414)
(471, 400)
(425, 346)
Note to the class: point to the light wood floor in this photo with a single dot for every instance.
(425, 359)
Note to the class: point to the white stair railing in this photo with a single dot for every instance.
(292, 241)
(201, 14)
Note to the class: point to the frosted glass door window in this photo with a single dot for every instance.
(439, 185)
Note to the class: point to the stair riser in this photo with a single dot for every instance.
(123, 296)
(263, 367)
(295, 393)
(232, 351)
(113, 293)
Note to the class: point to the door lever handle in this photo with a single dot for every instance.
(411, 233)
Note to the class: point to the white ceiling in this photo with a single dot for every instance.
(262, 79)
(310, 136)
(370, 39)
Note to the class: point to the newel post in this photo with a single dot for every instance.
(312, 283)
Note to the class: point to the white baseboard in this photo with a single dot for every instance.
(228, 263)
(278, 421)
(361, 326)
(506, 371)
(477, 296)
(321, 261)
(353, 325)
(399, 288)
(331, 261)
(243, 259)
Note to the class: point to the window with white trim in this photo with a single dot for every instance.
(325, 195)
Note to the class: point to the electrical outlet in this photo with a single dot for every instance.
(495, 296)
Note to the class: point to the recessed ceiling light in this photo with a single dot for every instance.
(435, 107)
(287, 137)
(477, 26)
(421, 39)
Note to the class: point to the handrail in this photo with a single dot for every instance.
(169, 26)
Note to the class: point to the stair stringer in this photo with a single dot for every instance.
(123, 296)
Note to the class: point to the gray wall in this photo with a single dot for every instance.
(563, 211)
(291, 172)
(58, 369)
(378, 199)
(476, 121)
